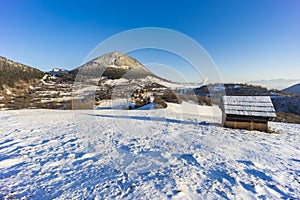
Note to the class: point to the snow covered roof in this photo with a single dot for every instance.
(260, 106)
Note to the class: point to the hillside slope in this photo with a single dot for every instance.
(12, 73)
(293, 89)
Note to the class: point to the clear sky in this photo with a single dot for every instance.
(247, 39)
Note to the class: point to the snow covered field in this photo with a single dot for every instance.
(178, 153)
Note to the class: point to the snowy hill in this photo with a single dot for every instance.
(155, 154)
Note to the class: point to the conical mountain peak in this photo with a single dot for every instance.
(118, 65)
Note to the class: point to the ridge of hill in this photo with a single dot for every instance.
(295, 89)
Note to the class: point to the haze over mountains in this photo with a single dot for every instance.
(278, 84)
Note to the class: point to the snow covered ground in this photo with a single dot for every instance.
(178, 153)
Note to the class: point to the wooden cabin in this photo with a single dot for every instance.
(247, 112)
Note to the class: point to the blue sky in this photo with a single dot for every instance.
(247, 39)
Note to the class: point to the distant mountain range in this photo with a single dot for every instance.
(119, 76)
(278, 84)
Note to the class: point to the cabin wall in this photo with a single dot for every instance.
(247, 125)
(241, 118)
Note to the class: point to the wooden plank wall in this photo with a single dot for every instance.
(247, 125)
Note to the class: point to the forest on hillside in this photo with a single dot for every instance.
(12, 72)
